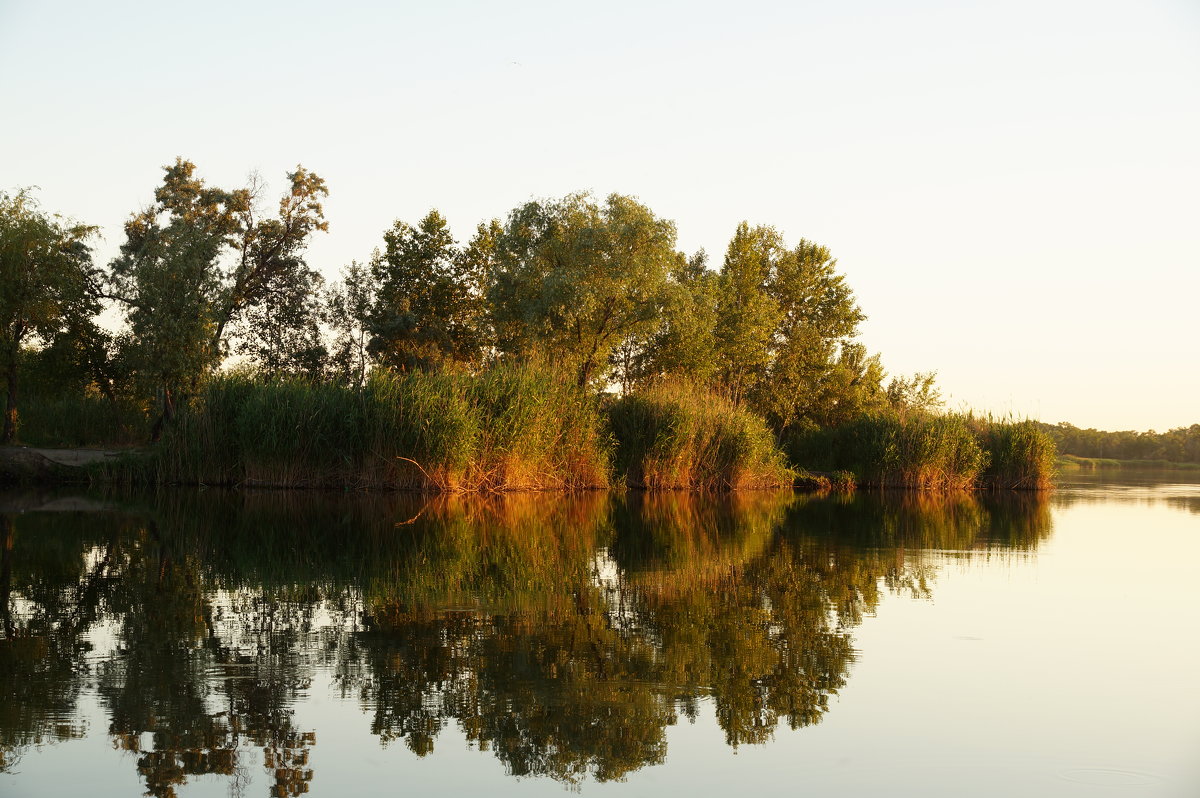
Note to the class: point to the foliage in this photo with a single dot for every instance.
(811, 343)
(747, 312)
(1179, 445)
(198, 259)
(348, 305)
(925, 450)
(685, 343)
(575, 280)
(1020, 455)
(428, 309)
(890, 450)
(46, 285)
(916, 393)
(281, 333)
(86, 420)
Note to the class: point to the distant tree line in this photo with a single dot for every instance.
(208, 277)
(1180, 445)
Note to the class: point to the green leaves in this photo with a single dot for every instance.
(200, 262)
(574, 280)
(428, 313)
(46, 284)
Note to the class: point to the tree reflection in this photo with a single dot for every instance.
(563, 634)
(52, 587)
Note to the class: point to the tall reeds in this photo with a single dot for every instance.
(1020, 455)
(505, 429)
(931, 452)
(70, 421)
(922, 451)
(674, 435)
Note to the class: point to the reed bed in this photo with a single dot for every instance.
(926, 451)
(674, 435)
(81, 421)
(509, 428)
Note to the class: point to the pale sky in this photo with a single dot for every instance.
(1012, 188)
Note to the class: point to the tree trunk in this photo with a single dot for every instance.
(164, 418)
(585, 373)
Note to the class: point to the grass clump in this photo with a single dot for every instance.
(509, 428)
(675, 435)
(1020, 455)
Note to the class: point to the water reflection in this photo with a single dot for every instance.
(564, 634)
(1178, 489)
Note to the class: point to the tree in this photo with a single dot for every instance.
(197, 259)
(281, 333)
(574, 280)
(917, 393)
(348, 306)
(426, 312)
(747, 313)
(46, 283)
(685, 344)
(817, 319)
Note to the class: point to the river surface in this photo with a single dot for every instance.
(198, 643)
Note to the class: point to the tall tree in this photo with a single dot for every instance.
(426, 312)
(198, 258)
(575, 279)
(817, 319)
(748, 315)
(46, 283)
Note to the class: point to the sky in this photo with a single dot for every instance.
(1011, 189)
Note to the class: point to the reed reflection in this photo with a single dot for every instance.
(563, 634)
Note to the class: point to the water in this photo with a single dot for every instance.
(206, 643)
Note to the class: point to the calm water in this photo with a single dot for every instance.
(274, 644)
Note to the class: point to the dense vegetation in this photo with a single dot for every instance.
(923, 450)
(1181, 445)
(567, 338)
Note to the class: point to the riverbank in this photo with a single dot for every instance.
(52, 465)
(1070, 462)
(521, 429)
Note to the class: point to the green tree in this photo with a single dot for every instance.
(685, 344)
(200, 257)
(46, 283)
(809, 352)
(917, 393)
(851, 385)
(426, 312)
(574, 280)
(747, 313)
(281, 333)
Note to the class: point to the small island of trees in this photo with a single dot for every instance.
(568, 345)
